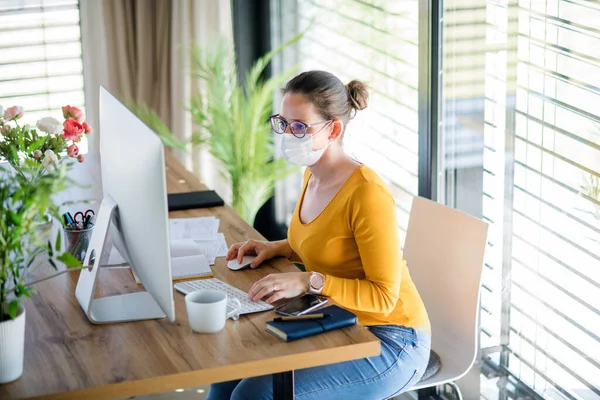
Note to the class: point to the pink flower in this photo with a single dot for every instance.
(87, 128)
(73, 112)
(80, 158)
(5, 128)
(14, 112)
(73, 151)
(73, 130)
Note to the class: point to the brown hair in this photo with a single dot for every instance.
(330, 97)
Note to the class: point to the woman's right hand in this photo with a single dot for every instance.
(261, 249)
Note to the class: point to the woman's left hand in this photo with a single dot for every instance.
(274, 287)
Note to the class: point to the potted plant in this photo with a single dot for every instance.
(233, 121)
(26, 200)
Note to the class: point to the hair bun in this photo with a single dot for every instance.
(358, 94)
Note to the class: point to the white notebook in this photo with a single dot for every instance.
(187, 261)
(213, 249)
(204, 228)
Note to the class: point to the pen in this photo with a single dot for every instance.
(67, 219)
(301, 317)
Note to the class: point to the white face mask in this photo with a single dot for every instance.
(299, 151)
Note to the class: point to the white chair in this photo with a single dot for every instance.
(444, 251)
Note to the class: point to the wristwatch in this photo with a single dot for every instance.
(316, 283)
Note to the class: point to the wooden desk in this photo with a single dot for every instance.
(67, 357)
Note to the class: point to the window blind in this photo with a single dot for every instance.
(542, 142)
(554, 332)
(41, 65)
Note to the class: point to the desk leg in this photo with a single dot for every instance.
(283, 386)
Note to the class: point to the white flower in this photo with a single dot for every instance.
(37, 154)
(50, 160)
(1, 111)
(50, 125)
(22, 156)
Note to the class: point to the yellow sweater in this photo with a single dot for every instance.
(354, 242)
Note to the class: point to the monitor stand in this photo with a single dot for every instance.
(120, 308)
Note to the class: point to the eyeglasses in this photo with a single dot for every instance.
(298, 128)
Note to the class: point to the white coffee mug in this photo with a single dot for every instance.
(207, 310)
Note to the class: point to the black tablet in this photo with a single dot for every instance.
(190, 200)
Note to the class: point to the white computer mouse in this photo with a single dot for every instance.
(235, 266)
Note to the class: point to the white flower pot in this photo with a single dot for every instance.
(12, 346)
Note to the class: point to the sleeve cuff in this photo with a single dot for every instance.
(295, 259)
(326, 288)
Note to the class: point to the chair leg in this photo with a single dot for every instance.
(456, 390)
(431, 392)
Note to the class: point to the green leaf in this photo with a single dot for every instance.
(23, 290)
(15, 218)
(51, 261)
(50, 250)
(32, 258)
(13, 156)
(57, 246)
(69, 260)
(21, 140)
(36, 145)
(13, 307)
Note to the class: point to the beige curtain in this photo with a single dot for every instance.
(138, 43)
(138, 50)
(95, 65)
(195, 23)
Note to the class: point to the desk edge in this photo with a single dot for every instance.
(226, 373)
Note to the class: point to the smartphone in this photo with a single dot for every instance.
(302, 305)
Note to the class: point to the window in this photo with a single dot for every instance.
(374, 41)
(521, 136)
(40, 63)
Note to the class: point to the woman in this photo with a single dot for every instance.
(344, 230)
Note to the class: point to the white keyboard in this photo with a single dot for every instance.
(248, 307)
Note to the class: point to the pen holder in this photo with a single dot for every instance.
(77, 241)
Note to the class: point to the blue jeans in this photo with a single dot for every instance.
(403, 359)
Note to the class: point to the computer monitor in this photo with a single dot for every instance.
(133, 216)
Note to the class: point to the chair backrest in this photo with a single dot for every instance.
(444, 251)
